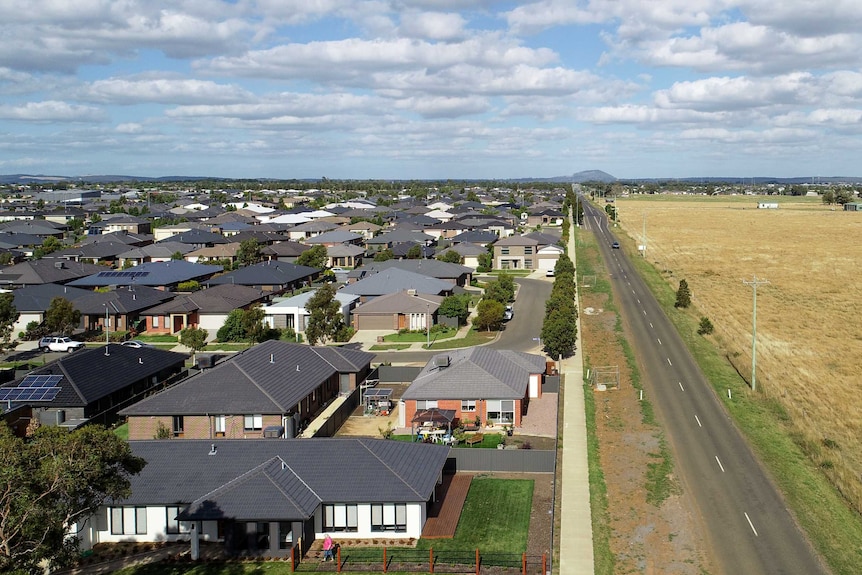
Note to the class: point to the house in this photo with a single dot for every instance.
(44, 271)
(127, 223)
(161, 252)
(284, 251)
(207, 309)
(395, 280)
(545, 217)
(275, 497)
(274, 384)
(77, 390)
(271, 276)
(469, 253)
(399, 310)
(344, 255)
(291, 313)
(523, 252)
(493, 386)
(118, 309)
(455, 274)
(221, 252)
(163, 275)
(33, 301)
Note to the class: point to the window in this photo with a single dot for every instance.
(468, 405)
(528, 263)
(340, 518)
(262, 532)
(501, 410)
(172, 525)
(128, 520)
(285, 535)
(178, 425)
(528, 250)
(219, 425)
(504, 250)
(426, 404)
(155, 321)
(389, 517)
(253, 422)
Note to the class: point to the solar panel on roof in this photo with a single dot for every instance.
(29, 393)
(40, 380)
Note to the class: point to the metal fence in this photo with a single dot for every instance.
(337, 418)
(408, 560)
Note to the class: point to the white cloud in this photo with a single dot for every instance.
(432, 25)
(443, 106)
(164, 90)
(51, 111)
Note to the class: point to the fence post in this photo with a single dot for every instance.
(292, 559)
(384, 559)
(544, 562)
(524, 564)
(431, 560)
(477, 561)
(338, 558)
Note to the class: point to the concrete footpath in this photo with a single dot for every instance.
(576, 530)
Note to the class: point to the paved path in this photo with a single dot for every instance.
(576, 531)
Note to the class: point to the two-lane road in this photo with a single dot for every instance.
(749, 528)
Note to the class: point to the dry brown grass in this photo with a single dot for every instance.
(809, 333)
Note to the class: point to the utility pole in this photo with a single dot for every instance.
(754, 283)
(644, 236)
(427, 326)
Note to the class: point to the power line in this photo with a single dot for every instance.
(754, 283)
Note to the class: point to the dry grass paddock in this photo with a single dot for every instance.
(809, 316)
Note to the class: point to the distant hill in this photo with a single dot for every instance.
(579, 178)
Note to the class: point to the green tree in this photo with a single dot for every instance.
(194, 338)
(683, 295)
(558, 336)
(456, 306)
(52, 480)
(489, 314)
(248, 253)
(232, 330)
(450, 256)
(314, 257)
(325, 319)
(384, 255)
(705, 327)
(61, 316)
(49, 245)
(177, 255)
(191, 285)
(486, 262)
(252, 323)
(415, 252)
(507, 282)
(8, 316)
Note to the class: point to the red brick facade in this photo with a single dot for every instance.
(463, 417)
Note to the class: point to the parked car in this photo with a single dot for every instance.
(615, 245)
(508, 314)
(136, 343)
(549, 273)
(65, 344)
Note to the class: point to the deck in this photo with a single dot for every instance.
(443, 515)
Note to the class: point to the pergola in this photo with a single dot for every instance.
(378, 401)
(433, 420)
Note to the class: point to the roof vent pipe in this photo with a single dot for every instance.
(272, 358)
(212, 449)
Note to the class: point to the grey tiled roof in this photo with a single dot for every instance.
(394, 280)
(476, 373)
(217, 299)
(283, 479)
(269, 378)
(158, 274)
(268, 273)
(45, 272)
(38, 297)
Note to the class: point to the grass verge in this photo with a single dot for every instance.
(472, 338)
(834, 529)
(416, 337)
(390, 347)
(603, 558)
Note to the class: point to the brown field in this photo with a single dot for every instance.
(809, 333)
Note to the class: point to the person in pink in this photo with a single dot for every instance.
(327, 548)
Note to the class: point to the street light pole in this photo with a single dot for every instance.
(427, 326)
(754, 283)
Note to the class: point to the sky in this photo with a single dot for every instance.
(431, 89)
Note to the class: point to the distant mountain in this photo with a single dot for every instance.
(579, 178)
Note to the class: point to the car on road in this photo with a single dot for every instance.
(338, 270)
(549, 273)
(615, 245)
(136, 343)
(508, 314)
(64, 344)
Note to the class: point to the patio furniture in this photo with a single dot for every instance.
(474, 439)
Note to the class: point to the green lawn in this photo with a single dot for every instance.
(472, 338)
(391, 346)
(414, 337)
(122, 431)
(158, 338)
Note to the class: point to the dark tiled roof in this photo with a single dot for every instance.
(244, 475)
(167, 273)
(121, 300)
(47, 271)
(217, 299)
(268, 273)
(393, 280)
(38, 297)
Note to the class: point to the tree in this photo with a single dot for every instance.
(194, 338)
(49, 245)
(383, 255)
(61, 316)
(450, 256)
(232, 330)
(507, 283)
(456, 306)
(705, 327)
(8, 316)
(486, 262)
(558, 336)
(314, 257)
(415, 252)
(489, 314)
(191, 285)
(683, 295)
(325, 319)
(252, 323)
(50, 481)
(248, 253)
(177, 255)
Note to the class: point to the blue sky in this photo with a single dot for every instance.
(429, 89)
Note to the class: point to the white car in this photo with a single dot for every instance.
(549, 273)
(508, 314)
(135, 343)
(65, 344)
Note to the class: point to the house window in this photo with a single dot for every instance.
(528, 263)
(262, 532)
(253, 422)
(340, 518)
(501, 410)
(426, 404)
(285, 535)
(172, 525)
(468, 405)
(155, 321)
(504, 250)
(178, 425)
(128, 520)
(528, 250)
(219, 424)
(389, 517)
